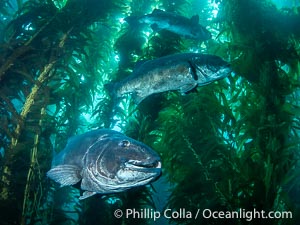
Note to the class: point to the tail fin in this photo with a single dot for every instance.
(110, 87)
(114, 98)
(132, 20)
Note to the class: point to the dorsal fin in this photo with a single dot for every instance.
(157, 11)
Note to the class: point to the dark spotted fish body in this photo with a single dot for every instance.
(105, 161)
(181, 72)
(162, 20)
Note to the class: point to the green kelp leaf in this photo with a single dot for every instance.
(60, 3)
(291, 109)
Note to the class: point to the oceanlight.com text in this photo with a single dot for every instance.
(248, 215)
(182, 213)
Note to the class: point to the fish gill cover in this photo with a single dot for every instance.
(230, 145)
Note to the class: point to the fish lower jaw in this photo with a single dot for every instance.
(132, 178)
(139, 165)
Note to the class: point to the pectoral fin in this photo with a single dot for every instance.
(87, 194)
(155, 27)
(187, 87)
(137, 98)
(65, 174)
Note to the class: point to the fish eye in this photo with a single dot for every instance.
(124, 143)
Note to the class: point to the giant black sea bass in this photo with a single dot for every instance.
(162, 20)
(181, 72)
(105, 161)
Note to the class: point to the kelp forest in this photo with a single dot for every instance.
(232, 145)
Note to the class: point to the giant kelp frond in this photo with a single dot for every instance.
(191, 119)
(228, 159)
(258, 39)
(47, 85)
(192, 149)
(237, 140)
(229, 145)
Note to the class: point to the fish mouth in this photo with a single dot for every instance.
(227, 69)
(147, 167)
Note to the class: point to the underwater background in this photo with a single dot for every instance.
(228, 146)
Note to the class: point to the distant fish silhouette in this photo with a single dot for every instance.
(161, 20)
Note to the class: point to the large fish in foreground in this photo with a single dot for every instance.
(105, 161)
(161, 20)
(181, 72)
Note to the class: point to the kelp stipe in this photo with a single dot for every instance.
(48, 59)
(231, 145)
(239, 138)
